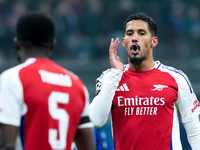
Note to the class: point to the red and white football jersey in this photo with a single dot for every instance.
(146, 106)
(48, 102)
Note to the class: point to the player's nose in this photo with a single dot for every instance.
(134, 38)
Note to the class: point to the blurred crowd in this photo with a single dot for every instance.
(84, 27)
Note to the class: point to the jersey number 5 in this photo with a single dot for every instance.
(60, 115)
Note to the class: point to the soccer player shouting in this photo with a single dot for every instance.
(145, 97)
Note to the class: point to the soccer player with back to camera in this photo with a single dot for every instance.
(145, 97)
(47, 103)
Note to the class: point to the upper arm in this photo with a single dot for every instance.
(12, 106)
(8, 134)
(187, 103)
(85, 139)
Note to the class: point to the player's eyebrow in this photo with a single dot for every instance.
(138, 30)
(129, 30)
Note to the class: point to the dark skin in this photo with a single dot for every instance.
(27, 50)
(8, 136)
(84, 138)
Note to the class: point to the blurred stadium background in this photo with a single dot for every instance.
(84, 29)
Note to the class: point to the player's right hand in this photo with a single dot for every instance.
(115, 60)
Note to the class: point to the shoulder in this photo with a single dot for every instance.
(110, 74)
(179, 76)
(75, 79)
(11, 72)
(176, 73)
(74, 82)
(105, 74)
(10, 84)
(11, 76)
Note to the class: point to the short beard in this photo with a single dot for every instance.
(135, 60)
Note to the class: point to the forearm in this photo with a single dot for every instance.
(101, 104)
(85, 139)
(1, 137)
(193, 133)
(8, 134)
(7, 148)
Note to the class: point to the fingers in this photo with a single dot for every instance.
(114, 45)
(115, 60)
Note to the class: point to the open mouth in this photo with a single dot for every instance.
(135, 48)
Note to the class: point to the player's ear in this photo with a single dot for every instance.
(16, 43)
(53, 44)
(154, 41)
(123, 41)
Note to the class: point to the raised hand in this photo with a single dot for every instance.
(115, 61)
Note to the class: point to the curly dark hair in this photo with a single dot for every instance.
(36, 28)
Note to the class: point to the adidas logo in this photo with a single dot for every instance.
(123, 87)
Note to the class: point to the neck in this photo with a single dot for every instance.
(33, 53)
(143, 66)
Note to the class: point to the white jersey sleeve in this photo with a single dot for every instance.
(193, 133)
(101, 104)
(188, 107)
(12, 106)
(11, 98)
(187, 103)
